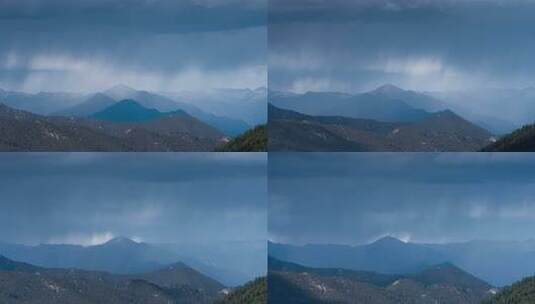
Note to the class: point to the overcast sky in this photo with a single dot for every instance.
(355, 198)
(353, 46)
(164, 45)
(88, 198)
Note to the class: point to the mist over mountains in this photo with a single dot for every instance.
(131, 227)
(390, 103)
(403, 58)
(401, 228)
(125, 119)
(498, 262)
(391, 271)
(63, 273)
(385, 119)
(233, 264)
(246, 105)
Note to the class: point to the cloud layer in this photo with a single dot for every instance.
(154, 45)
(357, 198)
(419, 44)
(88, 198)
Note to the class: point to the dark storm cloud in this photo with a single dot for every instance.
(155, 45)
(357, 198)
(87, 197)
(163, 16)
(423, 45)
(342, 10)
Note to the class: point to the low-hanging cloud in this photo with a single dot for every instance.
(154, 45)
(67, 73)
(88, 198)
(421, 45)
(354, 198)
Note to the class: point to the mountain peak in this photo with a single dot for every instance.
(388, 89)
(120, 241)
(388, 240)
(127, 105)
(120, 91)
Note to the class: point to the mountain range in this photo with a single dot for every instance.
(441, 283)
(503, 109)
(485, 108)
(83, 105)
(241, 104)
(496, 262)
(218, 262)
(439, 131)
(177, 283)
(125, 271)
(82, 122)
(387, 104)
(389, 118)
(174, 131)
(42, 103)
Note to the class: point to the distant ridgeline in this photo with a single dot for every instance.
(25, 283)
(99, 274)
(392, 271)
(442, 283)
(385, 119)
(119, 119)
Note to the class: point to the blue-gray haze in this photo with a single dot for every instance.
(475, 56)
(162, 45)
(341, 198)
(426, 45)
(88, 198)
